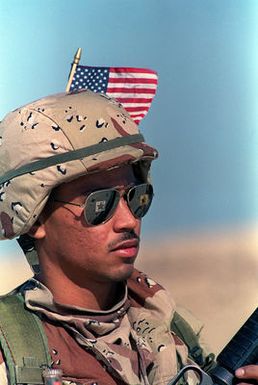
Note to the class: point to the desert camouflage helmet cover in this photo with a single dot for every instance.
(57, 139)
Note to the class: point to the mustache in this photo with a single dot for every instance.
(125, 236)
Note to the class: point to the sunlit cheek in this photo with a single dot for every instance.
(138, 227)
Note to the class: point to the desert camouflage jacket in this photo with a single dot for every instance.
(129, 344)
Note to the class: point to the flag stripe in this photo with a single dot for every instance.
(132, 76)
(138, 115)
(132, 86)
(125, 90)
(131, 70)
(136, 108)
(146, 106)
(134, 100)
(133, 80)
(136, 97)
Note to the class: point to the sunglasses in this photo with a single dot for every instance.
(100, 205)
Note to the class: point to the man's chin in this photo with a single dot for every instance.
(124, 273)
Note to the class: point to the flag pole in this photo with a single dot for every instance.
(76, 60)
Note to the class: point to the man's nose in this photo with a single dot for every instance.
(123, 217)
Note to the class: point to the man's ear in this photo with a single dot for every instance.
(37, 231)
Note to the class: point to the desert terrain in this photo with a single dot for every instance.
(214, 275)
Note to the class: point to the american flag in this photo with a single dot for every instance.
(134, 88)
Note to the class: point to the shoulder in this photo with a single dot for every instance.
(144, 291)
(188, 328)
(142, 280)
(10, 309)
(185, 314)
(11, 305)
(147, 293)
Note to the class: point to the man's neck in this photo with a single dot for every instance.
(102, 296)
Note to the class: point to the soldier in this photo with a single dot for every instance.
(75, 186)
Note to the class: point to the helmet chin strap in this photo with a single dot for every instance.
(28, 246)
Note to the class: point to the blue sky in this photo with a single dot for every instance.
(204, 117)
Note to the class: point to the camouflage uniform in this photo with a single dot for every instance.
(128, 344)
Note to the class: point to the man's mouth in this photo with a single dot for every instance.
(129, 244)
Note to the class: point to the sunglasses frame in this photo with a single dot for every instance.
(122, 194)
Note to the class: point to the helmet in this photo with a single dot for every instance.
(55, 140)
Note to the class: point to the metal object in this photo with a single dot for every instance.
(205, 379)
(52, 376)
(76, 61)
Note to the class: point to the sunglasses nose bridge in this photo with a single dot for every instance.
(124, 212)
(125, 195)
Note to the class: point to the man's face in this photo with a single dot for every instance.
(101, 253)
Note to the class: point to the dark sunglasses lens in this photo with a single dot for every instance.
(139, 199)
(100, 206)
